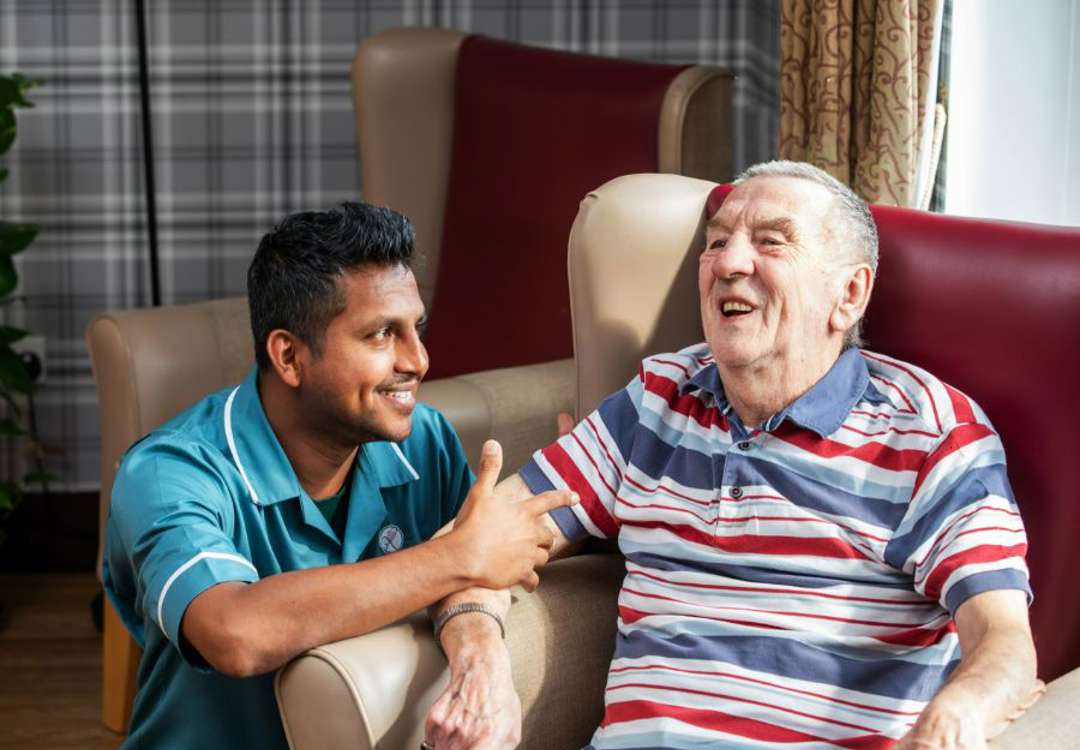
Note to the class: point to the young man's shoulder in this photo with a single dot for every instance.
(195, 437)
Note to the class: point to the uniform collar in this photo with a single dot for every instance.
(822, 409)
(265, 468)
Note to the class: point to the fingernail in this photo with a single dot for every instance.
(490, 446)
(574, 497)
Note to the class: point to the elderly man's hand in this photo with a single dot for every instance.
(946, 724)
(479, 708)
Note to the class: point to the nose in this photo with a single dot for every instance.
(412, 357)
(735, 259)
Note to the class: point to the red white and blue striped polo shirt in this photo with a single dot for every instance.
(789, 586)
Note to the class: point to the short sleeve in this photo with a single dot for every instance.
(169, 539)
(457, 478)
(591, 461)
(962, 534)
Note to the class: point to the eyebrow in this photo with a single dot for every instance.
(781, 224)
(775, 223)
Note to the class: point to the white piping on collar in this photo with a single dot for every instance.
(232, 445)
(180, 571)
(404, 460)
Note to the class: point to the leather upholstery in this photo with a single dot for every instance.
(534, 129)
(374, 691)
(403, 99)
(632, 255)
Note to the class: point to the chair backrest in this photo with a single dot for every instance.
(489, 145)
(993, 308)
(150, 364)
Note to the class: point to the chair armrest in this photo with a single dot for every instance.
(375, 690)
(1053, 723)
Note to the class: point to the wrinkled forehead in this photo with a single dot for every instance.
(789, 203)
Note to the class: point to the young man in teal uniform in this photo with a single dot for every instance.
(301, 506)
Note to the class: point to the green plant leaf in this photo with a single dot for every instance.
(25, 84)
(39, 477)
(14, 408)
(10, 334)
(7, 129)
(14, 238)
(9, 428)
(9, 277)
(3, 174)
(13, 373)
(10, 93)
(11, 495)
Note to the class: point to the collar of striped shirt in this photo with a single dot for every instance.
(822, 409)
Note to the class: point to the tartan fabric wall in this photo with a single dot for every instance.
(253, 120)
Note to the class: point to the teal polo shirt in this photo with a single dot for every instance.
(210, 497)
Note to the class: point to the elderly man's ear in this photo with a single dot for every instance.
(853, 299)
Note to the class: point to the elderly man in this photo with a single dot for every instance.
(822, 547)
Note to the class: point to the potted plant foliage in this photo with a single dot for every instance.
(16, 372)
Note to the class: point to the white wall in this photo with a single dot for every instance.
(1014, 111)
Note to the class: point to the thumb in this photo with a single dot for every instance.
(565, 423)
(490, 465)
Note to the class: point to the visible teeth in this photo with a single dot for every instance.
(730, 307)
(400, 395)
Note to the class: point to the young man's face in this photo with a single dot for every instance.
(363, 385)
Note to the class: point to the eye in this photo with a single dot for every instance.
(717, 244)
(381, 334)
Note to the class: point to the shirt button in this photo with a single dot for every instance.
(744, 445)
(736, 492)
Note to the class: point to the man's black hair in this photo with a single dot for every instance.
(293, 280)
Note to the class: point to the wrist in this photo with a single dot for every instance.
(459, 550)
(472, 645)
(468, 629)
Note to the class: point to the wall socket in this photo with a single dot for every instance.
(33, 346)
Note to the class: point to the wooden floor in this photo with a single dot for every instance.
(50, 664)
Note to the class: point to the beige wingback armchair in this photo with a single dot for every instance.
(150, 364)
(633, 263)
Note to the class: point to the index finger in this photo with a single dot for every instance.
(548, 501)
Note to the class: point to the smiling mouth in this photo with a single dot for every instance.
(401, 397)
(732, 309)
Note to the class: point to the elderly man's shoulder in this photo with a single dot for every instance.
(680, 366)
(913, 395)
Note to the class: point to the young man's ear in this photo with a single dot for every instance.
(285, 353)
(857, 284)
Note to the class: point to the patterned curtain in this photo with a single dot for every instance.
(857, 92)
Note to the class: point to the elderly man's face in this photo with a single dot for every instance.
(765, 277)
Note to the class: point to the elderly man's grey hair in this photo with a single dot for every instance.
(851, 225)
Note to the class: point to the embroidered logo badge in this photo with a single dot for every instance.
(391, 538)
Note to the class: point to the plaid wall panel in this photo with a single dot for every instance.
(253, 120)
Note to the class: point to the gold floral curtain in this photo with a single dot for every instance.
(856, 89)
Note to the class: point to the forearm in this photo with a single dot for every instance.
(993, 682)
(511, 489)
(251, 629)
(994, 677)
